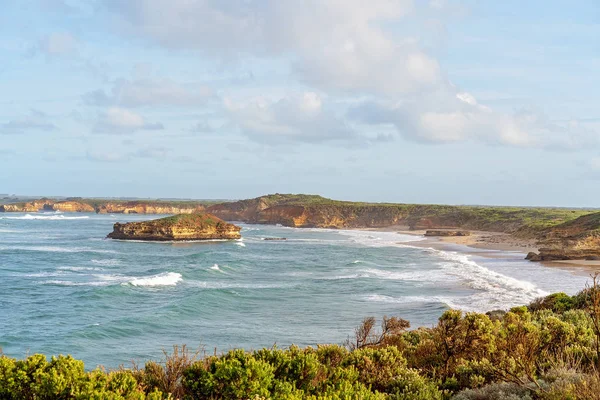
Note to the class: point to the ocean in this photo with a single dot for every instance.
(64, 289)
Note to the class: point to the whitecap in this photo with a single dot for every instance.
(163, 279)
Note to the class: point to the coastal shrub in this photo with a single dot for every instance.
(235, 375)
(65, 378)
(167, 376)
(378, 368)
(548, 351)
(557, 302)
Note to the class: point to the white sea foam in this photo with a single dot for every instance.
(225, 285)
(378, 238)
(80, 269)
(57, 249)
(215, 267)
(164, 279)
(44, 274)
(449, 301)
(54, 217)
(72, 283)
(496, 290)
(107, 262)
(241, 244)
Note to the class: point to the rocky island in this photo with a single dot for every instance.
(196, 226)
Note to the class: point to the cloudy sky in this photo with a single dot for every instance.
(433, 101)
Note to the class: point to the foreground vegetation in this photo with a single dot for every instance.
(549, 349)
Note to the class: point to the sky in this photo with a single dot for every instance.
(432, 101)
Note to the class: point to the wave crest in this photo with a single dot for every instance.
(164, 279)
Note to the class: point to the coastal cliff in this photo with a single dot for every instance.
(578, 239)
(105, 207)
(318, 212)
(47, 205)
(194, 226)
(561, 233)
(138, 207)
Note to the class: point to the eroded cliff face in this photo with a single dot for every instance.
(300, 216)
(72, 206)
(194, 226)
(47, 205)
(574, 240)
(145, 208)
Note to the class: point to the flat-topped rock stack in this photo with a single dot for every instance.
(182, 227)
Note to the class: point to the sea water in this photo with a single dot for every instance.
(65, 289)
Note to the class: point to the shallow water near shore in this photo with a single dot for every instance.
(65, 289)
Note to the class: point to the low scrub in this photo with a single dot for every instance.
(547, 350)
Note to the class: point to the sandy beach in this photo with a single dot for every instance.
(500, 245)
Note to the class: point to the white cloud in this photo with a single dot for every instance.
(298, 117)
(149, 92)
(335, 44)
(447, 118)
(120, 120)
(58, 44)
(347, 49)
(35, 121)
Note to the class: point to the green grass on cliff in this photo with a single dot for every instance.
(196, 220)
(524, 221)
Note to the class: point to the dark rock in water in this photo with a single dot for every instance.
(274, 238)
(178, 227)
(447, 233)
(531, 256)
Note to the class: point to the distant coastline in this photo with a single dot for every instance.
(558, 234)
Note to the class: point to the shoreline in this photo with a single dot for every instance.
(491, 245)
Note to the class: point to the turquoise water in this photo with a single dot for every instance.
(65, 289)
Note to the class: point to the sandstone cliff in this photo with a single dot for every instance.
(138, 207)
(573, 240)
(71, 206)
(47, 205)
(194, 226)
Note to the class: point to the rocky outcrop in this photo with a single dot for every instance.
(447, 233)
(194, 226)
(578, 239)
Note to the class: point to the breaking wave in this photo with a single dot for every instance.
(164, 279)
